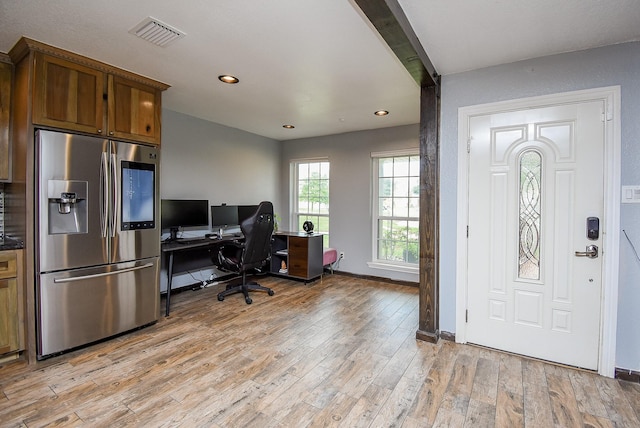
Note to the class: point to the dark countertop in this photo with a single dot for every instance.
(9, 243)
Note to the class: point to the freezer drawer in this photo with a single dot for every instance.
(81, 306)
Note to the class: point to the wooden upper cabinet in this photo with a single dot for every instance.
(75, 93)
(134, 110)
(68, 95)
(6, 71)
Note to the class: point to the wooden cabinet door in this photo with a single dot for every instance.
(5, 117)
(9, 315)
(68, 95)
(298, 257)
(134, 111)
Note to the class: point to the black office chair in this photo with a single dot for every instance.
(254, 252)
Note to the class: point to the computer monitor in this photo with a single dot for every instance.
(246, 211)
(224, 216)
(177, 213)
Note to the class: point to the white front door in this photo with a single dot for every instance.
(535, 176)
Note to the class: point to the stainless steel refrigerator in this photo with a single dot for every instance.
(98, 242)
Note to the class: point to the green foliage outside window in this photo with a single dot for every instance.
(313, 196)
(398, 209)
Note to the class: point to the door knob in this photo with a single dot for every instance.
(591, 252)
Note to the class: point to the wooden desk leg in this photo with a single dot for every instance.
(169, 278)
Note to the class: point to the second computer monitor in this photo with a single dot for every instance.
(230, 216)
(246, 211)
(224, 216)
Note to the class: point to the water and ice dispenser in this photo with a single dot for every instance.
(68, 212)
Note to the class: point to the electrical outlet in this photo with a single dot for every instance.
(341, 255)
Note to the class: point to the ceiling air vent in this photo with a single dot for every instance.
(156, 32)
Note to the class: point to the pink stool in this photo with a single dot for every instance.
(329, 257)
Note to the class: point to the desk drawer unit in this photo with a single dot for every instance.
(301, 253)
(298, 257)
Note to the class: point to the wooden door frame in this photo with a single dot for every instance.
(611, 233)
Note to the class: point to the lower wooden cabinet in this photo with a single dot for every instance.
(297, 255)
(10, 302)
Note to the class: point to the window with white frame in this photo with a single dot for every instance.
(311, 195)
(396, 206)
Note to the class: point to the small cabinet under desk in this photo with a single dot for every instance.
(297, 255)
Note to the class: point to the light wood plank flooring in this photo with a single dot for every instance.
(341, 352)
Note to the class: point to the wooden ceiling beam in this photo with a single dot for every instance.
(389, 19)
(392, 24)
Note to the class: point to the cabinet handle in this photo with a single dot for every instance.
(110, 132)
(99, 131)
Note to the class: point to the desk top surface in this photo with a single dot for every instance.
(300, 234)
(185, 244)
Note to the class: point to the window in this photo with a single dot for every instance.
(311, 196)
(396, 206)
(529, 210)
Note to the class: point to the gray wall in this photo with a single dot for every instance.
(205, 160)
(608, 66)
(350, 188)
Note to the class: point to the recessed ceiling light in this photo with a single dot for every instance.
(381, 113)
(227, 78)
(288, 126)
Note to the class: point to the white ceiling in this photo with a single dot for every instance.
(318, 65)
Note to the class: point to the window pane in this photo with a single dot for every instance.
(303, 171)
(385, 167)
(383, 250)
(385, 206)
(401, 166)
(384, 229)
(414, 186)
(303, 205)
(324, 170)
(401, 186)
(413, 255)
(400, 230)
(414, 231)
(414, 207)
(400, 207)
(414, 166)
(385, 186)
(529, 209)
(323, 224)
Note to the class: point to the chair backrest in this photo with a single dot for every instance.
(257, 230)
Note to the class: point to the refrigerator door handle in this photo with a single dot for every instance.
(104, 194)
(115, 205)
(98, 275)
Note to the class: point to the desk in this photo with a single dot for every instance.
(170, 249)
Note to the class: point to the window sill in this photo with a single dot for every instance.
(395, 268)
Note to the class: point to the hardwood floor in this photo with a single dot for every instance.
(341, 352)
